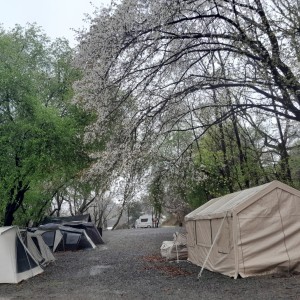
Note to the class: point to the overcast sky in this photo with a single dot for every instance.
(56, 17)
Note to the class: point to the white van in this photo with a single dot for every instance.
(144, 221)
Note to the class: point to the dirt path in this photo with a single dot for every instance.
(129, 266)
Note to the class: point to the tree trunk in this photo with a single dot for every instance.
(14, 204)
(226, 172)
(9, 214)
(119, 216)
(284, 155)
(242, 157)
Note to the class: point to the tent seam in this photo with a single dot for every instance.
(241, 246)
(284, 237)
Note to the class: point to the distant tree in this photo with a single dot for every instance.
(156, 195)
(295, 166)
(134, 211)
(103, 210)
(126, 190)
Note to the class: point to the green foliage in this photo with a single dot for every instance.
(220, 160)
(295, 165)
(40, 131)
(197, 195)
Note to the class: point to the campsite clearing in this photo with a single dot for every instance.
(128, 266)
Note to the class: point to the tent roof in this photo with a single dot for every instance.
(81, 218)
(5, 228)
(236, 202)
(54, 226)
(79, 223)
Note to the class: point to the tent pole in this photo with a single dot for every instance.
(208, 254)
(177, 253)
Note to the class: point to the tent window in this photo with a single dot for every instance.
(49, 238)
(24, 260)
(223, 240)
(72, 238)
(203, 233)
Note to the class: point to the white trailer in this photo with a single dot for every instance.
(144, 221)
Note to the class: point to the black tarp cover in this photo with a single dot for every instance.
(90, 229)
(61, 220)
(73, 238)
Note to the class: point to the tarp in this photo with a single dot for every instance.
(247, 233)
(16, 261)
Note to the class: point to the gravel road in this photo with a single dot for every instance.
(129, 266)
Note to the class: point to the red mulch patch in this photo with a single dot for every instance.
(156, 262)
(154, 258)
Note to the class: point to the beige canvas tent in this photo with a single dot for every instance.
(247, 233)
(16, 262)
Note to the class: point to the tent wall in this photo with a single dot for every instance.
(53, 238)
(7, 257)
(45, 251)
(290, 213)
(86, 242)
(64, 238)
(16, 262)
(32, 247)
(75, 239)
(200, 237)
(39, 249)
(90, 229)
(268, 235)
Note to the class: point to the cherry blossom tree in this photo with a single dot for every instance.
(152, 68)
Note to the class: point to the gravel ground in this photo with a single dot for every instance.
(128, 266)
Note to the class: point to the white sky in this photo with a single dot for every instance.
(56, 17)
